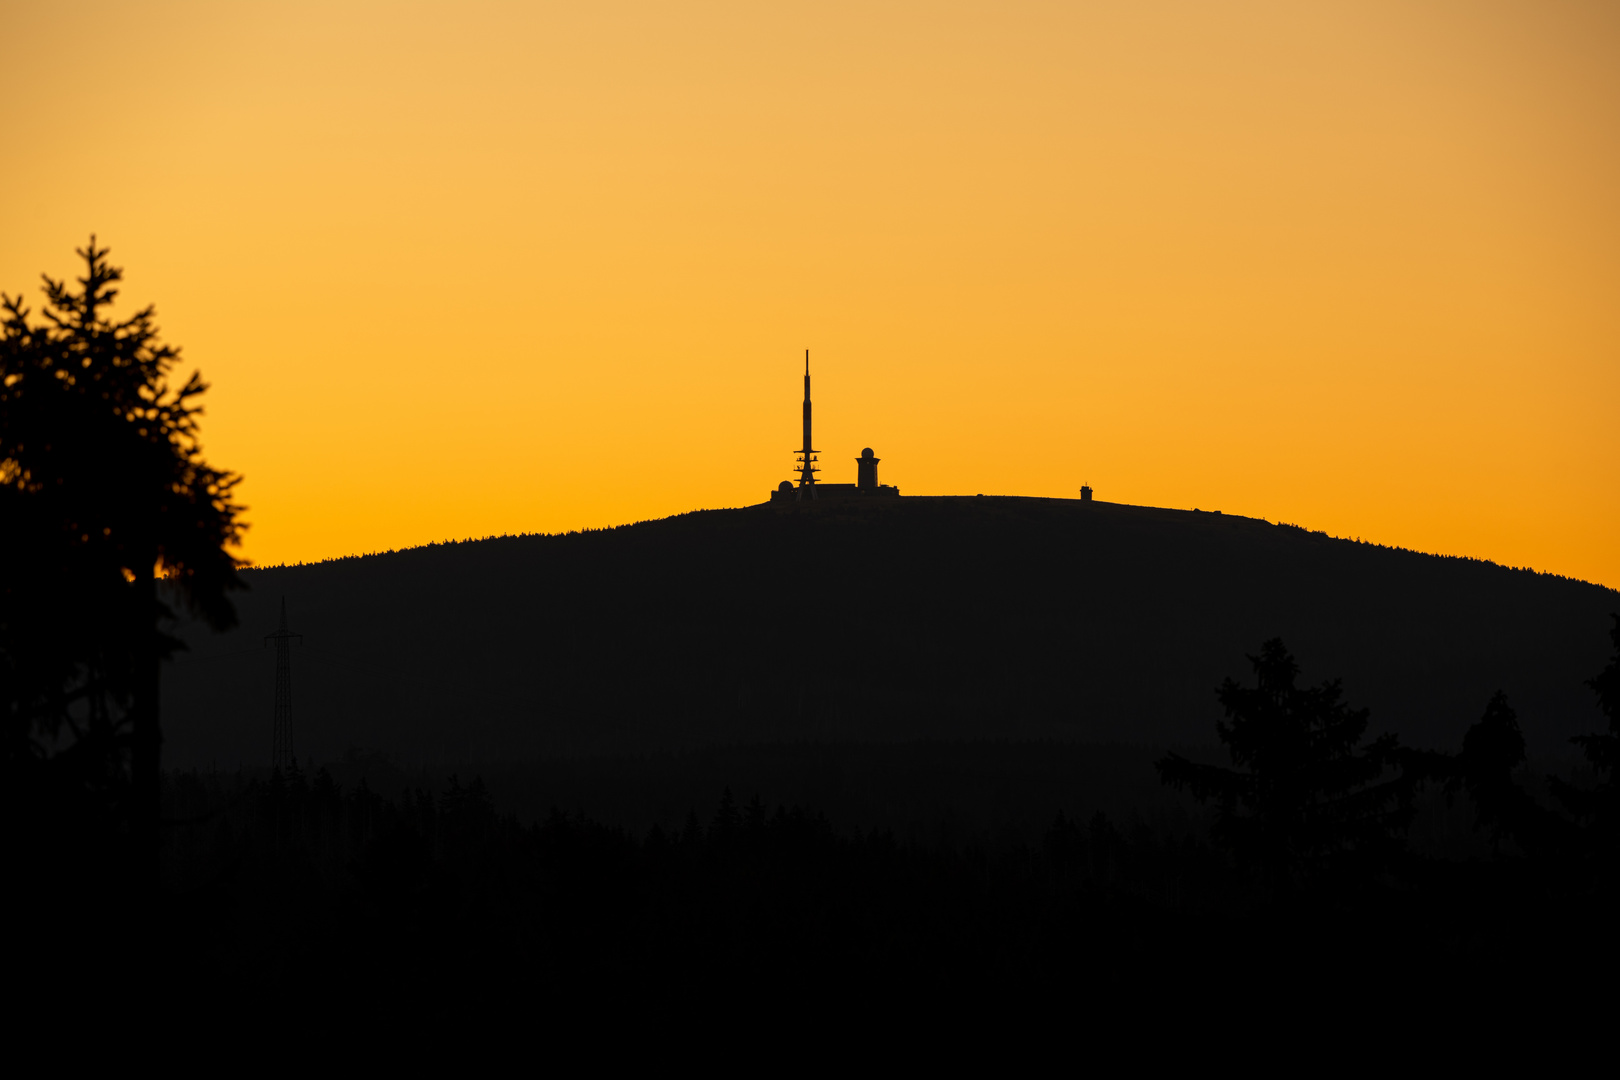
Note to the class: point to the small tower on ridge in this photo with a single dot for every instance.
(866, 470)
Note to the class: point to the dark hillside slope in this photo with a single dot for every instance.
(915, 618)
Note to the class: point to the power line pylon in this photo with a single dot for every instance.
(281, 751)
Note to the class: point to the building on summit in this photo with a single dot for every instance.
(809, 488)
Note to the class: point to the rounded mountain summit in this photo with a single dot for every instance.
(883, 619)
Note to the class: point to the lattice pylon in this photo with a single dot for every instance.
(281, 747)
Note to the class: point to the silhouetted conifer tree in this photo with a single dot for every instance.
(1306, 797)
(1491, 750)
(103, 490)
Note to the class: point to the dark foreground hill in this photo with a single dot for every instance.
(921, 618)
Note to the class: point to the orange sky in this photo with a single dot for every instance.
(462, 269)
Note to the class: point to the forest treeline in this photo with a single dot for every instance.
(1310, 803)
(1306, 864)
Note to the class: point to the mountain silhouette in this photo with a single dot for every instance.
(974, 618)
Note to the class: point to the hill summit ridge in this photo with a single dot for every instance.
(1005, 617)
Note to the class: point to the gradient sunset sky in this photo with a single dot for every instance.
(459, 269)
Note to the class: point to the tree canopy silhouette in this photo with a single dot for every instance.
(104, 490)
(1306, 796)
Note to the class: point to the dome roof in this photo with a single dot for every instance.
(867, 452)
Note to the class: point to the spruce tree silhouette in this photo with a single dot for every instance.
(104, 492)
(1306, 801)
(1491, 750)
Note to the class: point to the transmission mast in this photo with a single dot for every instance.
(807, 457)
(281, 750)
